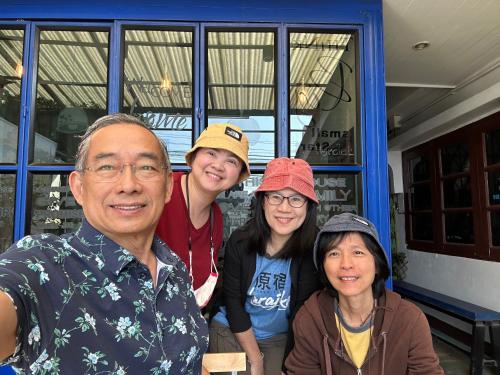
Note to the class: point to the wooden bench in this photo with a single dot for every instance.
(478, 316)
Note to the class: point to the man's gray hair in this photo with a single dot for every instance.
(113, 119)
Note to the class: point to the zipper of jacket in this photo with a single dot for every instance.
(340, 353)
(373, 352)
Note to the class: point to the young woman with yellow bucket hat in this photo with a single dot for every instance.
(191, 223)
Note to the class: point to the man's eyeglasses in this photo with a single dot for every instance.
(295, 201)
(111, 171)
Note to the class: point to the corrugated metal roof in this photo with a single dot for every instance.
(11, 56)
(241, 66)
(153, 55)
(72, 67)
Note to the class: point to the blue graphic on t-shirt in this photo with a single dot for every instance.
(268, 297)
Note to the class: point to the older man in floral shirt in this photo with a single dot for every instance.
(110, 298)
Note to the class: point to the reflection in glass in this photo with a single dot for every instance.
(419, 169)
(456, 192)
(158, 85)
(455, 159)
(11, 60)
(7, 203)
(459, 227)
(71, 91)
(421, 227)
(493, 147)
(336, 193)
(494, 187)
(323, 98)
(241, 86)
(421, 198)
(54, 210)
(495, 228)
(235, 203)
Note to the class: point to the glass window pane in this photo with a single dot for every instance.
(419, 169)
(241, 86)
(338, 193)
(71, 91)
(495, 228)
(420, 197)
(457, 193)
(323, 98)
(11, 71)
(7, 203)
(421, 227)
(455, 159)
(493, 147)
(54, 210)
(494, 186)
(459, 227)
(235, 203)
(158, 85)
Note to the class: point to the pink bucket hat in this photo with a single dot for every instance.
(295, 174)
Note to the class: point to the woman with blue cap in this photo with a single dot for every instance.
(355, 325)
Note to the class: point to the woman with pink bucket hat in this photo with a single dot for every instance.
(268, 269)
(191, 223)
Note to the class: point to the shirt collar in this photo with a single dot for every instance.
(109, 254)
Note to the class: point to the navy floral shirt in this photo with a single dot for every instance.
(85, 305)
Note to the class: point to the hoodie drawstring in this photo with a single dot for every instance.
(328, 360)
(384, 339)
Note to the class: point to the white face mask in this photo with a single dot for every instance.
(204, 292)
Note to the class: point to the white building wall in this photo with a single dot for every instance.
(470, 280)
(394, 158)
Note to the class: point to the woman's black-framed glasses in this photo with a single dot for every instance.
(295, 201)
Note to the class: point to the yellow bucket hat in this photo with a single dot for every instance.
(227, 137)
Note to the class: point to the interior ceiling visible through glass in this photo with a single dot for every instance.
(72, 68)
(313, 59)
(11, 60)
(241, 72)
(158, 70)
(68, 63)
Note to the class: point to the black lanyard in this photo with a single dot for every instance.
(189, 232)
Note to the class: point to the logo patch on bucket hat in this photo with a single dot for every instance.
(359, 220)
(233, 133)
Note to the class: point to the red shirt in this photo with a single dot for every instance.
(173, 229)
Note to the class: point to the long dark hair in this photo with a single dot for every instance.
(329, 239)
(256, 232)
